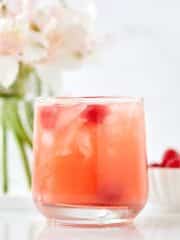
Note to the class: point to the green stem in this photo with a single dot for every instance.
(29, 114)
(18, 124)
(19, 137)
(4, 149)
(24, 158)
(38, 84)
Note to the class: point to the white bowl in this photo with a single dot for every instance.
(164, 188)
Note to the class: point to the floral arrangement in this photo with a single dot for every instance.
(37, 37)
(43, 35)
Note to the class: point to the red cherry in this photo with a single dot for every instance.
(174, 163)
(168, 156)
(48, 116)
(154, 165)
(95, 113)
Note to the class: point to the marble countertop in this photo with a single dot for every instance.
(29, 225)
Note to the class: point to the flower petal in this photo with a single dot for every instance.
(15, 7)
(9, 70)
(33, 53)
(85, 7)
(51, 74)
(45, 4)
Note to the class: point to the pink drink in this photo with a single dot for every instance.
(90, 155)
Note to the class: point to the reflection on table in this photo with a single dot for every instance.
(26, 226)
(55, 232)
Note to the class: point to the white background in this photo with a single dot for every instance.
(142, 59)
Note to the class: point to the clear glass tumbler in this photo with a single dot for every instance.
(90, 159)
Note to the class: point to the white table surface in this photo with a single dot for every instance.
(29, 225)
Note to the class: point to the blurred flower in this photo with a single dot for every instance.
(45, 33)
(11, 37)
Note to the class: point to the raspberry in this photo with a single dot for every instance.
(48, 116)
(95, 113)
(169, 156)
(174, 163)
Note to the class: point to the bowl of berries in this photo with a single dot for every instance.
(164, 182)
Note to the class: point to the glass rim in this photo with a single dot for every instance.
(88, 99)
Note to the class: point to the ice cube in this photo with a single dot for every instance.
(122, 117)
(84, 142)
(47, 138)
(67, 143)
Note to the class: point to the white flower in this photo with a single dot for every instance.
(76, 47)
(8, 71)
(83, 7)
(33, 53)
(11, 37)
(46, 33)
(46, 4)
(14, 6)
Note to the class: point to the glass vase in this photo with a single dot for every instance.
(16, 118)
(16, 129)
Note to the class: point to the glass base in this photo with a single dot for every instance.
(87, 216)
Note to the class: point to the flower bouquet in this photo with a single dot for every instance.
(38, 41)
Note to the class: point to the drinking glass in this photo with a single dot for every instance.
(90, 159)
